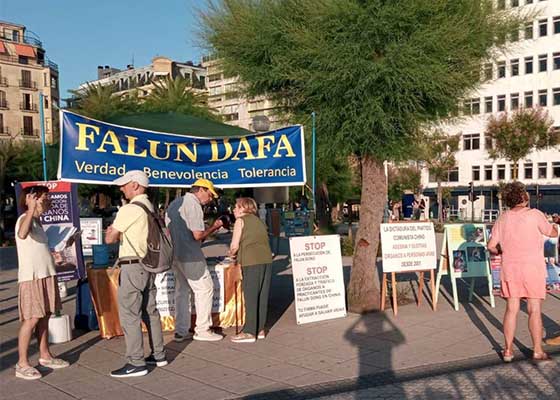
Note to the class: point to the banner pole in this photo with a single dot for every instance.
(313, 157)
(42, 117)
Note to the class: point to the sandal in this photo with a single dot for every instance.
(27, 373)
(53, 363)
(541, 357)
(244, 338)
(507, 357)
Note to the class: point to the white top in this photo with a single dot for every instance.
(34, 257)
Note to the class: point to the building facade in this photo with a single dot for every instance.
(527, 76)
(225, 98)
(25, 72)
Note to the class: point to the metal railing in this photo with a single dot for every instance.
(4, 104)
(25, 84)
(29, 132)
(26, 39)
(29, 61)
(28, 107)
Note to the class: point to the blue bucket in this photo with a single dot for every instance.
(100, 254)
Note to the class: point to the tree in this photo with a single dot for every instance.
(101, 101)
(401, 179)
(375, 72)
(437, 150)
(515, 135)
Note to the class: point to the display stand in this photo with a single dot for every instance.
(421, 261)
(457, 259)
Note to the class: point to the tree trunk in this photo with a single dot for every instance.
(363, 289)
(439, 202)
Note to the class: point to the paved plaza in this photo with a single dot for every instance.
(420, 354)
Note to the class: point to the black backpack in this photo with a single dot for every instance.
(160, 250)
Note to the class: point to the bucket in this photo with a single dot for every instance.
(60, 330)
(100, 255)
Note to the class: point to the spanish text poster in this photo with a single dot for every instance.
(408, 246)
(318, 278)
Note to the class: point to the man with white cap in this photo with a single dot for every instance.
(137, 290)
(185, 220)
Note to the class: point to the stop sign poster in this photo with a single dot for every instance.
(318, 278)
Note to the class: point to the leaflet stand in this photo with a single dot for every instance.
(420, 283)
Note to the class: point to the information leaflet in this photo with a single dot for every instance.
(408, 246)
(318, 278)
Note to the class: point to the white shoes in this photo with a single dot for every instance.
(207, 336)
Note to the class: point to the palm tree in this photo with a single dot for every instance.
(101, 101)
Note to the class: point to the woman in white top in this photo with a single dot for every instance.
(38, 295)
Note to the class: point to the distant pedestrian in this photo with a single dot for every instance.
(250, 244)
(137, 289)
(38, 295)
(185, 220)
(519, 234)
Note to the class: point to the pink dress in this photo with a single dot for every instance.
(520, 235)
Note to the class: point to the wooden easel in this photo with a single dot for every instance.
(394, 287)
(394, 283)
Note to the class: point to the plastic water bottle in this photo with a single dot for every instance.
(62, 289)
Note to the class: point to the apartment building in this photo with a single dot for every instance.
(141, 79)
(25, 72)
(225, 98)
(527, 76)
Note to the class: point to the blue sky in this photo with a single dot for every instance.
(79, 35)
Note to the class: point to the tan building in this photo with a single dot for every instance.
(224, 98)
(25, 72)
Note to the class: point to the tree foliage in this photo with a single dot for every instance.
(515, 135)
(402, 179)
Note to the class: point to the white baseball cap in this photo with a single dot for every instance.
(133, 176)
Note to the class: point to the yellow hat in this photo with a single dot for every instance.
(205, 183)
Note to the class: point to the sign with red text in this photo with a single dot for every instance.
(408, 246)
(318, 278)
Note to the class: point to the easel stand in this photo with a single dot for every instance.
(394, 289)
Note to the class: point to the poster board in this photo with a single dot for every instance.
(464, 255)
(318, 278)
(92, 233)
(62, 225)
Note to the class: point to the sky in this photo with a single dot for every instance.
(79, 35)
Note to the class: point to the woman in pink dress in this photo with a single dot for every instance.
(519, 234)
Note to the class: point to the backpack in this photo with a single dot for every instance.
(160, 250)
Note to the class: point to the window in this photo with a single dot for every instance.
(515, 67)
(514, 36)
(501, 171)
(3, 102)
(15, 36)
(542, 170)
(543, 27)
(556, 23)
(501, 4)
(488, 144)
(556, 96)
(528, 170)
(502, 102)
(556, 169)
(488, 71)
(2, 124)
(45, 80)
(453, 175)
(543, 98)
(528, 99)
(514, 101)
(54, 82)
(471, 106)
(471, 142)
(543, 62)
(214, 77)
(231, 117)
(528, 1)
(515, 3)
(487, 172)
(555, 61)
(476, 173)
(501, 69)
(529, 65)
(46, 102)
(488, 104)
(529, 30)
(28, 126)
(475, 105)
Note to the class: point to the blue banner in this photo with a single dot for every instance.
(97, 152)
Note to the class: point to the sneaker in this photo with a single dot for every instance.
(244, 338)
(129, 370)
(262, 334)
(151, 360)
(181, 338)
(207, 336)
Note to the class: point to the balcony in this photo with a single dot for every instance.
(29, 132)
(28, 107)
(3, 104)
(33, 41)
(3, 81)
(29, 61)
(25, 84)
